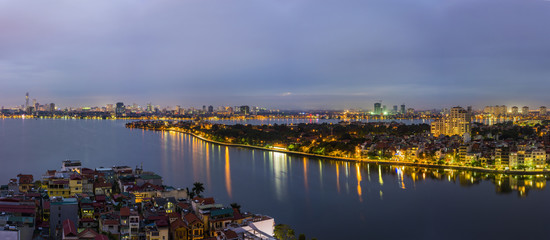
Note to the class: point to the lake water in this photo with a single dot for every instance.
(323, 199)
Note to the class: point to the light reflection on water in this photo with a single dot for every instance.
(228, 173)
(359, 179)
(314, 196)
(279, 162)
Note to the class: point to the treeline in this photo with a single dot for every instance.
(324, 139)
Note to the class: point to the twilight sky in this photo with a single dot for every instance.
(291, 54)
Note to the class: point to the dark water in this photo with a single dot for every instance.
(323, 199)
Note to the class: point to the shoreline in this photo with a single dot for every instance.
(385, 162)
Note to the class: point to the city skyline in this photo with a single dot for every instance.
(377, 107)
(287, 55)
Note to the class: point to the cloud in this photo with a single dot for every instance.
(427, 53)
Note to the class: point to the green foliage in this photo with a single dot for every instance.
(284, 232)
(198, 188)
(115, 188)
(302, 237)
(236, 205)
(190, 194)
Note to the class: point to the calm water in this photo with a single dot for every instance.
(323, 199)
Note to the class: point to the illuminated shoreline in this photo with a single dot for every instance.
(365, 160)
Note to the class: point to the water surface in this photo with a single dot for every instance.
(323, 199)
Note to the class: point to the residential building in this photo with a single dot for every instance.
(457, 123)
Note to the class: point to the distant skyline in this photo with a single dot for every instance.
(287, 54)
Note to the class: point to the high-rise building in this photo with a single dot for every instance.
(542, 110)
(515, 110)
(525, 110)
(26, 100)
(210, 109)
(119, 110)
(245, 110)
(377, 108)
(496, 110)
(456, 123)
(52, 107)
(403, 108)
(394, 108)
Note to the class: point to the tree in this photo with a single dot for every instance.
(115, 188)
(302, 237)
(190, 194)
(283, 232)
(236, 205)
(198, 188)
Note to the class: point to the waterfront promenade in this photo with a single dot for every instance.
(349, 159)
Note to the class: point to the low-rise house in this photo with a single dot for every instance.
(195, 229)
(75, 184)
(103, 188)
(62, 209)
(25, 182)
(87, 234)
(110, 225)
(178, 230)
(69, 230)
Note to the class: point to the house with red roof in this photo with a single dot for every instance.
(178, 230)
(87, 234)
(195, 226)
(69, 231)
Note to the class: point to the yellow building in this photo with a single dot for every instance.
(145, 192)
(59, 188)
(25, 182)
(75, 184)
(178, 230)
(195, 226)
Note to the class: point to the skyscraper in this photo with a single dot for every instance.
(377, 108)
(119, 110)
(525, 110)
(542, 110)
(27, 100)
(403, 108)
(395, 108)
(245, 110)
(515, 110)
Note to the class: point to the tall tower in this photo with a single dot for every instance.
(27, 100)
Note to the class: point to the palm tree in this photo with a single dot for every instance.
(236, 205)
(198, 188)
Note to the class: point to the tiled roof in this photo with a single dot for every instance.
(68, 228)
(191, 218)
(125, 212)
(177, 224)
